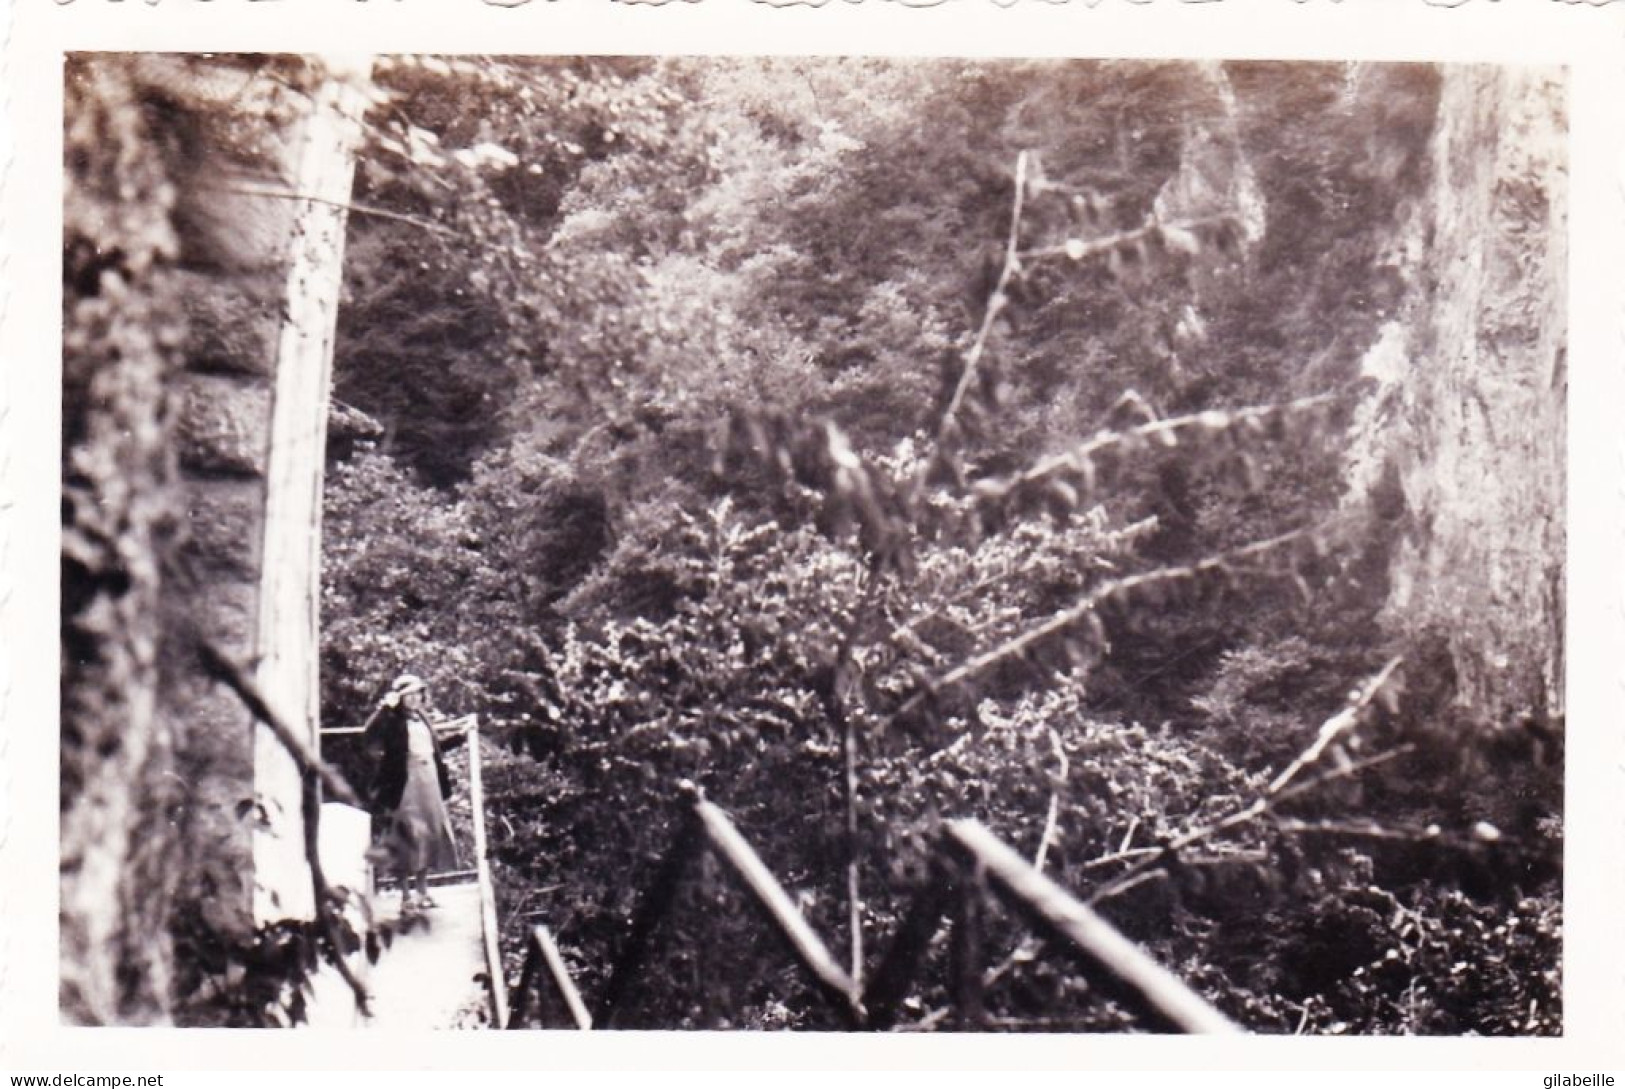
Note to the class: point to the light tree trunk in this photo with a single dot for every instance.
(290, 572)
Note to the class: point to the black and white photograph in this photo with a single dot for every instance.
(768, 542)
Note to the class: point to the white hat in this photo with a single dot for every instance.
(406, 684)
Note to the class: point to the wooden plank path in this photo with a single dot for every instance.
(426, 979)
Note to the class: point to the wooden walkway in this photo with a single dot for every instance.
(429, 977)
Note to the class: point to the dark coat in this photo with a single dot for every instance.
(387, 743)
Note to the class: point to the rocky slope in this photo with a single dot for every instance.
(1467, 426)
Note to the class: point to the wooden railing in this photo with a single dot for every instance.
(706, 827)
(546, 976)
(1112, 962)
(969, 866)
(497, 987)
(490, 934)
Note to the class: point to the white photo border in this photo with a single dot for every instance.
(1589, 39)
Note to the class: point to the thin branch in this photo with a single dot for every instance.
(1025, 951)
(1361, 830)
(974, 590)
(1346, 771)
(1165, 432)
(1068, 617)
(1040, 1024)
(854, 900)
(348, 206)
(1128, 881)
(1273, 795)
(1334, 728)
(314, 774)
(835, 707)
(965, 593)
(995, 303)
(1124, 855)
(1229, 857)
(1128, 837)
(311, 803)
(1054, 814)
(1100, 245)
(929, 1021)
(1372, 830)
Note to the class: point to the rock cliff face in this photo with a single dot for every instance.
(1466, 432)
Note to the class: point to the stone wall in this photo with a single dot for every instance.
(234, 267)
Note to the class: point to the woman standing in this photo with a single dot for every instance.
(409, 790)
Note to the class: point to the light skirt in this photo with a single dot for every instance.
(419, 833)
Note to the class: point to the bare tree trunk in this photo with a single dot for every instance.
(290, 571)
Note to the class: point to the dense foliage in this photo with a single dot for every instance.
(869, 443)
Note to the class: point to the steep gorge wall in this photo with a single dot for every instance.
(1468, 424)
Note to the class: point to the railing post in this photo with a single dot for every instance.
(544, 964)
(652, 908)
(890, 982)
(482, 866)
(563, 985)
(768, 896)
(521, 994)
(967, 947)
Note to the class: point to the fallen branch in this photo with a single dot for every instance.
(1362, 830)
(1432, 835)
(1125, 854)
(1334, 728)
